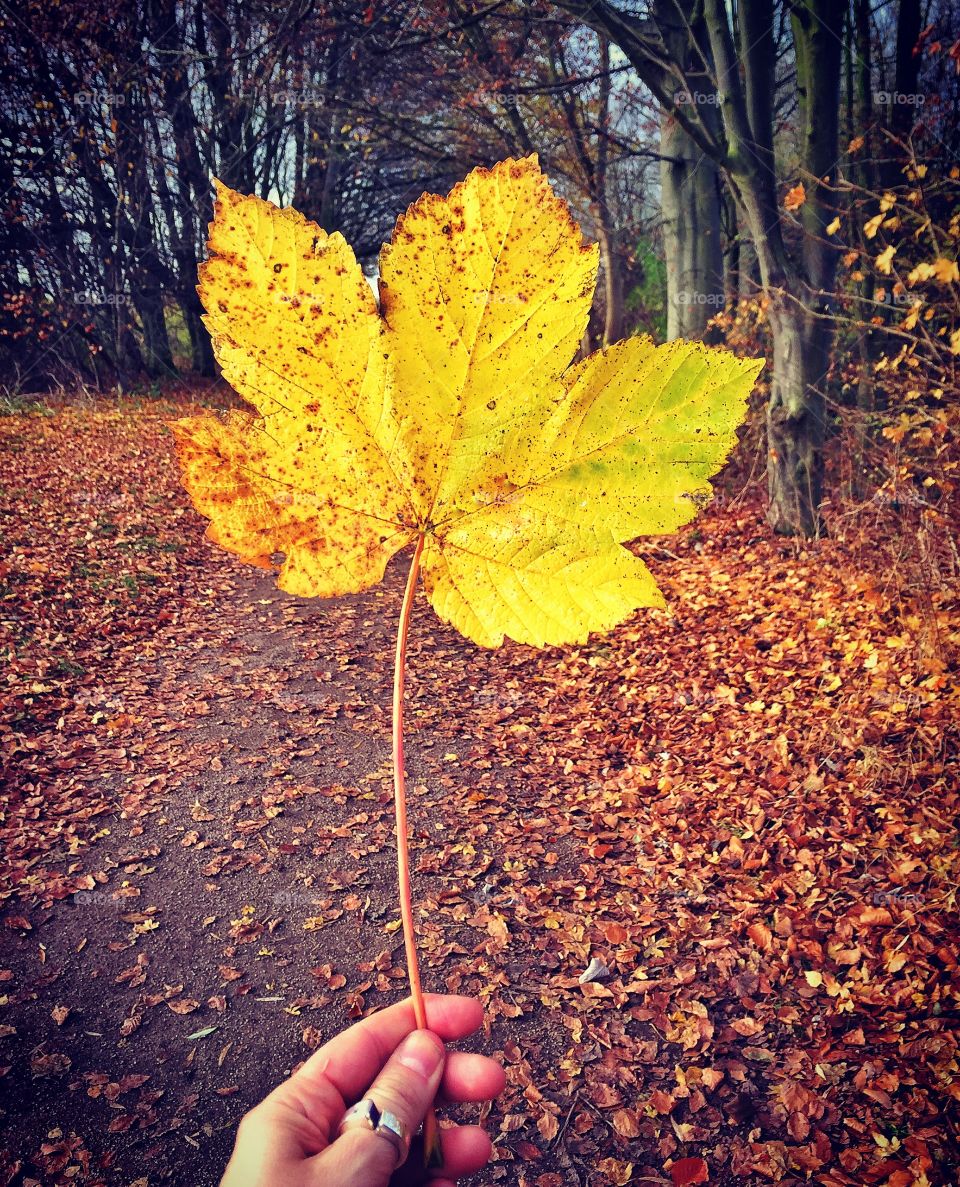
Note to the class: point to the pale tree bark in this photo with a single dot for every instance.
(609, 249)
(592, 172)
(797, 412)
(692, 247)
(796, 419)
(732, 256)
(612, 283)
(689, 179)
(799, 291)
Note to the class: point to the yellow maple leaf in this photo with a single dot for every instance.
(451, 418)
(884, 261)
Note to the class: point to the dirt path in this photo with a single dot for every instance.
(256, 845)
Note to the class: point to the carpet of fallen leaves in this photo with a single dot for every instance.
(740, 813)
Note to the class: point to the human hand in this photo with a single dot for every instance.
(290, 1138)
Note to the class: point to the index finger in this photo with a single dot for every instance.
(352, 1060)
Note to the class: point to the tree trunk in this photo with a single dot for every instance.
(150, 279)
(731, 251)
(799, 293)
(902, 108)
(192, 185)
(226, 27)
(157, 358)
(689, 182)
(861, 118)
(609, 255)
(802, 330)
(612, 283)
(796, 419)
(691, 233)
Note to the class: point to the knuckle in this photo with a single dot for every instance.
(399, 1095)
(369, 1148)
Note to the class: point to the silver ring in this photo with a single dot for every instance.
(366, 1115)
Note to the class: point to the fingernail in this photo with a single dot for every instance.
(421, 1052)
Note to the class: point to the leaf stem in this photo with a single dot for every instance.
(400, 795)
(432, 1152)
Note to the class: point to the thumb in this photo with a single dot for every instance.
(406, 1087)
